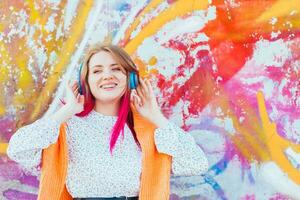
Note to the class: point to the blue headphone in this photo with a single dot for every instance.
(133, 80)
(79, 79)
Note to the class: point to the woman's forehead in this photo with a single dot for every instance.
(102, 58)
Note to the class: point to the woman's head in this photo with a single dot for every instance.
(105, 78)
(105, 65)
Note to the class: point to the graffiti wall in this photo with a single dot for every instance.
(227, 71)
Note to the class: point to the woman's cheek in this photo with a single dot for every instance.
(93, 83)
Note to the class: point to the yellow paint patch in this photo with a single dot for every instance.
(4, 75)
(279, 9)
(3, 148)
(24, 83)
(34, 14)
(276, 144)
(64, 58)
(177, 9)
(152, 61)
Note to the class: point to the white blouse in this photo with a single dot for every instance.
(92, 170)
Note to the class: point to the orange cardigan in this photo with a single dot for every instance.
(156, 167)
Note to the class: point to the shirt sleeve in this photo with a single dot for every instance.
(26, 145)
(187, 157)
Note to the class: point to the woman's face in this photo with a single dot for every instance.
(107, 79)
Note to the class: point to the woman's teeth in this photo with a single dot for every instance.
(108, 86)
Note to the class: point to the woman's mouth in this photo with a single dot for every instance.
(109, 86)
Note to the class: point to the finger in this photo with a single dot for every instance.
(140, 94)
(76, 94)
(150, 88)
(78, 97)
(144, 86)
(75, 84)
(76, 90)
(135, 102)
(140, 91)
(131, 97)
(139, 99)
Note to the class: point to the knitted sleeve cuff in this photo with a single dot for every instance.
(187, 157)
(166, 139)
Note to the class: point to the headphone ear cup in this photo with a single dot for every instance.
(136, 80)
(130, 81)
(80, 88)
(133, 80)
(79, 79)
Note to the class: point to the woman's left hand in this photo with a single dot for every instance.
(144, 100)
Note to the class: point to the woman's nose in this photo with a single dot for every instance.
(107, 75)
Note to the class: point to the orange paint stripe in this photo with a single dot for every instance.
(277, 145)
(242, 147)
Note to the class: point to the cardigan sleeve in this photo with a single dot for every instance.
(187, 157)
(25, 146)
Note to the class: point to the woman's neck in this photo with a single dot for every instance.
(107, 108)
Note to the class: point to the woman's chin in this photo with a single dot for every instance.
(108, 98)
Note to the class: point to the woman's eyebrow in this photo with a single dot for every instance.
(101, 66)
(97, 66)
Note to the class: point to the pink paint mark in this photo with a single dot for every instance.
(279, 196)
(10, 171)
(18, 195)
(248, 197)
(7, 127)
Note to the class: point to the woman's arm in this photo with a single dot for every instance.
(187, 157)
(25, 146)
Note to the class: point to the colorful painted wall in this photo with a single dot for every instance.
(227, 71)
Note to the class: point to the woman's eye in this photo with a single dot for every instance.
(97, 71)
(117, 69)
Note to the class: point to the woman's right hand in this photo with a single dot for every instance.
(74, 101)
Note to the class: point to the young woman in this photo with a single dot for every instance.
(118, 143)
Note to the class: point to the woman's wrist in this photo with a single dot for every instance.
(159, 120)
(63, 114)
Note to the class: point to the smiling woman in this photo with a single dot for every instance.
(107, 81)
(79, 146)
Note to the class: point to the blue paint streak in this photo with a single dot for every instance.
(124, 7)
(217, 188)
